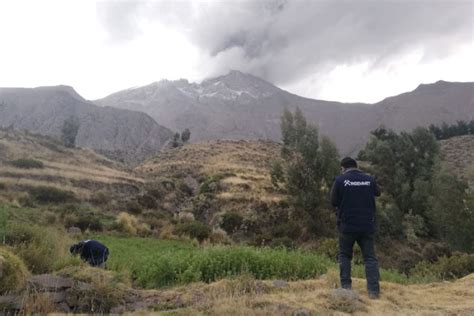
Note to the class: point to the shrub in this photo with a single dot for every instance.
(45, 194)
(456, 266)
(219, 236)
(42, 250)
(330, 248)
(3, 186)
(101, 198)
(13, 272)
(88, 222)
(183, 187)
(129, 224)
(289, 229)
(133, 207)
(147, 201)
(186, 217)
(194, 229)
(27, 164)
(284, 242)
(231, 222)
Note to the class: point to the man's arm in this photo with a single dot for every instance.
(334, 195)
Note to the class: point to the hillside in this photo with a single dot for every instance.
(242, 106)
(458, 156)
(119, 134)
(80, 171)
(223, 176)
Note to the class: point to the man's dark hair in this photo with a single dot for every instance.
(348, 162)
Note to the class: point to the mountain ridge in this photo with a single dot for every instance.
(121, 134)
(239, 105)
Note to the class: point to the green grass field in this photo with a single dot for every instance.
(159, 263)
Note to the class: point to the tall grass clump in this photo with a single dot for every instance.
(42, 250)
(129, 224)
(13, 272)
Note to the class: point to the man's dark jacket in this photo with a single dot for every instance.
(353, 194)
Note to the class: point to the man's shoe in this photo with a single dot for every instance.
(374, 296)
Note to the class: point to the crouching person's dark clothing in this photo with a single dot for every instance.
(92, 252)
(353, 194)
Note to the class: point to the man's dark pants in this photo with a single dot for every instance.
(366, 244)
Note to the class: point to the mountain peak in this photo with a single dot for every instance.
(61, 89)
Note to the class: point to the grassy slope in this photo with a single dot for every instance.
(240, 167)
(81, 171)
(247, 164)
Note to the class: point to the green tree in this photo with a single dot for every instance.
(404, 165)
(310, 164)
(175, 142)
(69, 132)
(185, 135)
(452, 211)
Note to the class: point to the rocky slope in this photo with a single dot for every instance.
(241, 106)
(120, 134)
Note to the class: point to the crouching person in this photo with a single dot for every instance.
(92, 252)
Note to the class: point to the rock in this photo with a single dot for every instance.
(47, 282)
(63, 307)
(280, 283)
(56, 297)
(14, 302)
(346, 301)
(302, 312)
(82, 286)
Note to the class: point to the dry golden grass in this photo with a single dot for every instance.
(246, 296)
(81, 171)
(245, 166)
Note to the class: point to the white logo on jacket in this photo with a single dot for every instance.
(356, 183)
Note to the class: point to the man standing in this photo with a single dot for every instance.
(353, 194)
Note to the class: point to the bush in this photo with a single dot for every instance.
(283, 242)
(133, 207)
(42, 250)
(44, 194)
(129, 224)
(231, 222)
(147, 201)
(13, 272)
(107, 288)
(101, 198)
(88, 222)
(446, 268)
(194, 229)
(27, 164)
(330, 248)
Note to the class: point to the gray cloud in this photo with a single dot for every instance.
(283, 41)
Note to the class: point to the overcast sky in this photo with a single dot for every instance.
(334, 50)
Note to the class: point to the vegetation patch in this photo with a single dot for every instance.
(13, 272)
(27, 163)
(45, 194)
